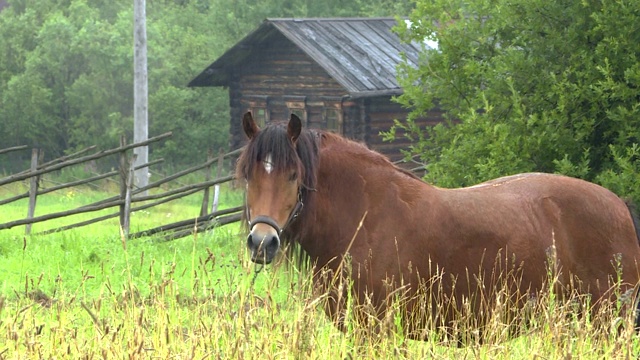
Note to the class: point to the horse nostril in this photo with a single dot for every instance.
(274, 243)
(250, 241)
(271, 242)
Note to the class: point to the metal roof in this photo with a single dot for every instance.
(361, 54)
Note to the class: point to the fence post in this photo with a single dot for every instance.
(33, 189)
(216, 188)
(207, 177)
(127, 198)
(123, 179)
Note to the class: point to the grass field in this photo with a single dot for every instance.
(86, 294)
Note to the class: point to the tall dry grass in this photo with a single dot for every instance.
(88, 295)
(225, 314)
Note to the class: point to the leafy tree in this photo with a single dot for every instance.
(526, 85)
(68, 82)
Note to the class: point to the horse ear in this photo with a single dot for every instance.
(249, 126)
(294, 128)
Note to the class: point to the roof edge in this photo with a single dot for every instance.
(374, 93)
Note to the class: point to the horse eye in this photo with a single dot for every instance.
(293, 176)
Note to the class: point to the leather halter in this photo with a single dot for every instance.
(297, 209)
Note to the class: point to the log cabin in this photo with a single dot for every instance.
(337, 74)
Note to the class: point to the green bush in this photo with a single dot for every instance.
(531, 85)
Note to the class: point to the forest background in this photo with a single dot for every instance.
(66, 70)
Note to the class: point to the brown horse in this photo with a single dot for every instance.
(334, 197)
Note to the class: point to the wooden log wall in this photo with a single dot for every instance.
(380, 115)
(281, 76)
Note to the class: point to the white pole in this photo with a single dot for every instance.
(140, 91)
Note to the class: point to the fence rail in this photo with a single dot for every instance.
(128, 195)
(15, 148)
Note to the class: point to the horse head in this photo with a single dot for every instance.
(273, 174)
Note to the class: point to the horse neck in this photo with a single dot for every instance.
(340, 203)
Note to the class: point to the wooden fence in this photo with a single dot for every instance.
(209, 215)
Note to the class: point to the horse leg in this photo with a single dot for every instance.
(334, 290)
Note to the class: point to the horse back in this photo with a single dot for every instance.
(584, 229)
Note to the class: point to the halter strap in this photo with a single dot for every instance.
(297, 209)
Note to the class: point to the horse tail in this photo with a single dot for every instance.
(636, 224)
(634, 217)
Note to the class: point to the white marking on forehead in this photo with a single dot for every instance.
(268, 164)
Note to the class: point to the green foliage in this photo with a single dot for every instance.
(52, 99)
(67, 79)
(532, 86)
(625, 176)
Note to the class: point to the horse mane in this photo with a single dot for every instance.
(369, 154)
(274, 140)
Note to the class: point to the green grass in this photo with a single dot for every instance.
(87, 294)
(85, 258)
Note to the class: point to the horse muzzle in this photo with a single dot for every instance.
(263, 241)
